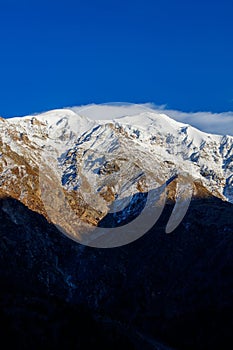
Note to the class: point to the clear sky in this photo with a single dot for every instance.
(58, 53)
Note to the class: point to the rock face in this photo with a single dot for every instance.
(162, 289)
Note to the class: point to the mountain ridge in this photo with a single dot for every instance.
(158, 292)
(99, 161)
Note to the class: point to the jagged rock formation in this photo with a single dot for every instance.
(93, 163)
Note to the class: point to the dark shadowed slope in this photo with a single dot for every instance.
(162, 289)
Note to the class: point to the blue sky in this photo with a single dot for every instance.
(64, 53)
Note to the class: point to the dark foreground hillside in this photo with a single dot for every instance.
(175, 290)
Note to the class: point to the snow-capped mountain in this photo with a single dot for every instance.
(98, 164)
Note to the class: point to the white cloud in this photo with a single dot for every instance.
(112, 110)
(215, 123)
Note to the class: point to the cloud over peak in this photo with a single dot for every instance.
(214, 123)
